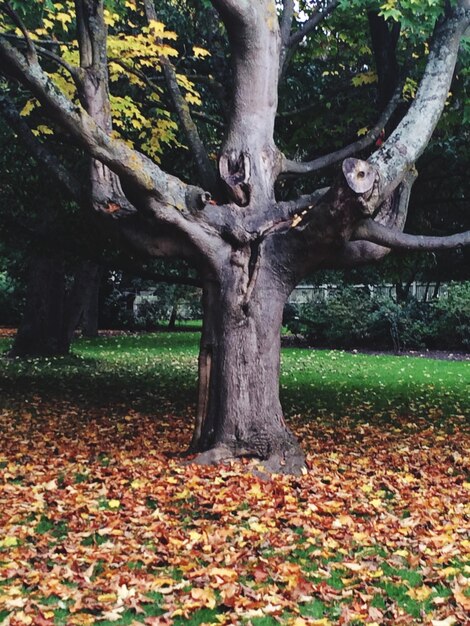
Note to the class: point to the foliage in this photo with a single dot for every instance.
(352, 317)
(119, 309)
(453, 315)
(363, 537)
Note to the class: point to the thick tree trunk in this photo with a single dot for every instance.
(42, 328)
(239, 407)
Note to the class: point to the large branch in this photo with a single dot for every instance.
(204, 166)
(301, 168)
(391, 215)
(412, 135)
(369, 230)
(128, 164)
(249, 160)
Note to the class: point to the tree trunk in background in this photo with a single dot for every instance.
(82, 301)
(50, 316)
(42, 328)
(173, 316)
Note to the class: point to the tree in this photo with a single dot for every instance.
(250, 247)
(63, 273)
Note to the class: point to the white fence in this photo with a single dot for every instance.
(304, 294)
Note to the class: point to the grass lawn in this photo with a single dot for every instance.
(101, 523)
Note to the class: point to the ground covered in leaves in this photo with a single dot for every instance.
(102, 523)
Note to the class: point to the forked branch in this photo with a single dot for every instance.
(128, 164)
(312, 23)
(291, 41)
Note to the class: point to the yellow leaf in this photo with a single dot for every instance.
(403, 553)
(362, 131)
(182, 495)
(28, 107)
(205, 597)
(107, 597)
(9, 542)
(259, 528)
(200, 52)
(114, 504)
(449, 571)
(419, 593)
(223, 572)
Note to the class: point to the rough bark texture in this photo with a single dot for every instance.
(252, 249)
(239, 406)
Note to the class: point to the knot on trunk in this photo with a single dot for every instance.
(235, 171)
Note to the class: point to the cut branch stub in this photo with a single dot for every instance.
(359, 175)
(235, 170)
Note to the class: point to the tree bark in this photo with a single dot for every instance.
(239, 407)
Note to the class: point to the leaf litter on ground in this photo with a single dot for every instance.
(102, 523)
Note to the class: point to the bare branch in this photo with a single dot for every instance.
(286, 21)
(369, 230)
(209, 119)
(392, 215)
(71, 69)
(290, 44)
(299, 168)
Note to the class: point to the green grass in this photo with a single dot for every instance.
(143, 369)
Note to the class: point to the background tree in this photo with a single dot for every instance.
(251, 245)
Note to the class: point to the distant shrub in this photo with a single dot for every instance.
(352, 318)
(453, 316)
